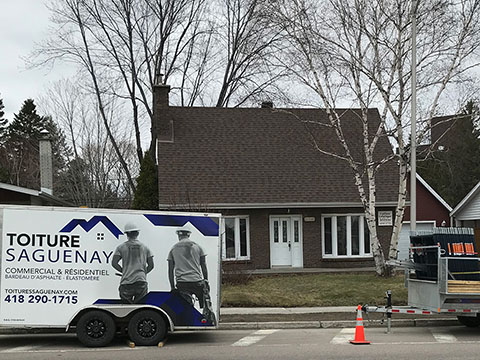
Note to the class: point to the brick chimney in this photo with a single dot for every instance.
(46, 167)
(162, 125)
(267, 104)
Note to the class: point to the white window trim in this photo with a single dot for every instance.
(334, 254)
(237, 238)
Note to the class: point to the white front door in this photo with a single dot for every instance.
(286, 241)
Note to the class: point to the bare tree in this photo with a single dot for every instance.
(251, 41)
(66, 102)
(93, 176)
(358, 51)
(122, 45)
(78, 43)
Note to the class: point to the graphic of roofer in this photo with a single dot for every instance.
(137, 262)
(187, 272)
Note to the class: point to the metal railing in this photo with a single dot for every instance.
(429, 263)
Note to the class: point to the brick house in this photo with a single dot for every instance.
(284, 203)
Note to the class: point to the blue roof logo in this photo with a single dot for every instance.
(207, 226)
(90, 224)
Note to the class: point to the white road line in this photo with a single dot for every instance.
(254, 338)
(265, 332)
(248, 340)
(443, 336)
(343, 337)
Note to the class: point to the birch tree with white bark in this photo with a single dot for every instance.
(358, 53)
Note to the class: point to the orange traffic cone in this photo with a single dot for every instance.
(359, 333)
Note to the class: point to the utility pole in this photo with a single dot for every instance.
(413, 133)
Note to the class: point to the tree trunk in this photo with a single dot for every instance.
(377, 250)
(402, 195)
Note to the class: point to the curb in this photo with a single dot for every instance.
(258, 325)
(336, 324)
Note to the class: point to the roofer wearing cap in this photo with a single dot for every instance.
(137, 262)
(187, 268)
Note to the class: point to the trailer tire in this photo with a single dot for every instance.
(96, 328)
(146, 328)
(469, 321)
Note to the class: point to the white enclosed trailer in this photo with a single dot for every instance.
(56, 272)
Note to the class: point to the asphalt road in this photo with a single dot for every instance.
(454, 342)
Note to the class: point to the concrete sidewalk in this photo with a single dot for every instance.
(284, 311)
(320, 317)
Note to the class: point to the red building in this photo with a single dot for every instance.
(432, 211)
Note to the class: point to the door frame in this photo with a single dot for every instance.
(299, 249)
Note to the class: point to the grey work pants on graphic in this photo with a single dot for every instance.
(133, 293)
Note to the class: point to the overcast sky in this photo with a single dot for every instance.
(22, 23)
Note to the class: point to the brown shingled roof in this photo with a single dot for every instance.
(262, 156)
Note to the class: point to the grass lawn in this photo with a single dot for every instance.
(313, 290)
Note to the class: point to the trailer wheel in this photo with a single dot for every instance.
(469, 321)
(147, 327)
(96, 328)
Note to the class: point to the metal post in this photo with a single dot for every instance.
(413, 133)
(389, 311)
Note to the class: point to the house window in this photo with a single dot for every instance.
(275, 231)
(296, 231)
(327, 236)
(342, 235)
(236, 239)
(345, 236)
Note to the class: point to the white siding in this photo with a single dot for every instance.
(471, 211)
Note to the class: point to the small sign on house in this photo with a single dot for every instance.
(385, 218)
